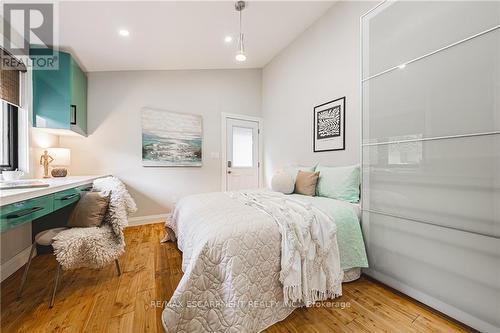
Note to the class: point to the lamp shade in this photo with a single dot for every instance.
(61, 156)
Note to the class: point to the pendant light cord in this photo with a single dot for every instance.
(240, 44)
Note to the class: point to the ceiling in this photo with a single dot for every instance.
(179, 35)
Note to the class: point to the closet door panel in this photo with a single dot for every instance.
(450, 93)
(457, 268)
(431, 153)
(454, 182)
(400, 31)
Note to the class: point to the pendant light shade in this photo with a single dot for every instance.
(240, 54)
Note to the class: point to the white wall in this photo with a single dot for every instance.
(322, 64)
(114, 142)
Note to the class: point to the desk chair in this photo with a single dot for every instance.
(105, 243)
(45, 238)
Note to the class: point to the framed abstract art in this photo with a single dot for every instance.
(329, 126)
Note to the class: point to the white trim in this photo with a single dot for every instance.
(10, 267)
(457, 136)
(378, 5)
(434, 303)
(147, 219)
(361, 120)
(24, 121)
(432, 53)
(259, 120)
(361, 25)
(412, 219)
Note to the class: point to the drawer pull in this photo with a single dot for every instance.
(68, 197)
(23, 212)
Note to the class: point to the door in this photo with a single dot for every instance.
(242, 154)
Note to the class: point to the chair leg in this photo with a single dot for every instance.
(25, 274)
(56, 282)
(118, 269)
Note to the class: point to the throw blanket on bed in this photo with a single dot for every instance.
(310, 260)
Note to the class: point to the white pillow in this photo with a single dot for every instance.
(283, 182)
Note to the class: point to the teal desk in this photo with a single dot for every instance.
(25, 205)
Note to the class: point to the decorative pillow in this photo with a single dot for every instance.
(305, 183)
(282, 182)
(340, 183)
(90, 210)
(293, 170)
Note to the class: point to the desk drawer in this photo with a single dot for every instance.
(65, 198)
(21, 212)
(85, 188)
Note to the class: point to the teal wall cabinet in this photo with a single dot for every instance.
(60, 96)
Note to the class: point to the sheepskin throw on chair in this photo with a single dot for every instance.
(96, 247)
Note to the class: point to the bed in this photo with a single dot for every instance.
(231, 262)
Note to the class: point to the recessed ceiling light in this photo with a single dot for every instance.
(402, 66)
(228, 39)
(124, 32)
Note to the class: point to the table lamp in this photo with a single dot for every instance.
(62, 158)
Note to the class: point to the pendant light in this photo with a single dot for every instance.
(240, 55)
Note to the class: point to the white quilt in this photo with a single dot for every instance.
(231, 263)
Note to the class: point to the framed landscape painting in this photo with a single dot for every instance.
(329, 126)
(171, 138)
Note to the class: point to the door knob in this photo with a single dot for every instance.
(228, 171)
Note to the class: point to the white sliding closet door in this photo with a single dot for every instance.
(431, 153)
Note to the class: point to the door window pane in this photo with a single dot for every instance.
(242, 147)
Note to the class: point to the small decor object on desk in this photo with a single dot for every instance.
(59, 172)
(329, 126)
(45, 160)
(171, 138)
(61, 158)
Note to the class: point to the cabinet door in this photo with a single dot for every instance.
(78, 99)
(66, 198)
(25, 211)
(51, 94)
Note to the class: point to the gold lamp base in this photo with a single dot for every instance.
(59, 172)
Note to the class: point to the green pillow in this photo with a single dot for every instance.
(293, 170)
(340, 183)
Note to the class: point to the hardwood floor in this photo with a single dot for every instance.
(100, 301)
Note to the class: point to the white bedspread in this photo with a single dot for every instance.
(231, 263)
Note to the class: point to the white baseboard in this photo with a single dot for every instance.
(10, 267)
(148, 219)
